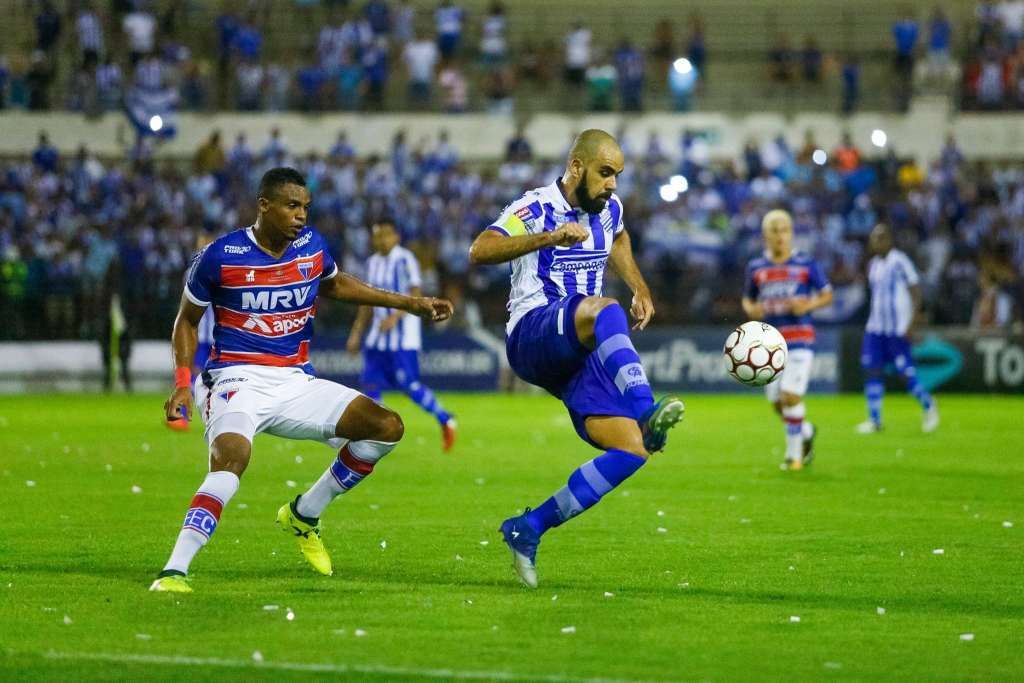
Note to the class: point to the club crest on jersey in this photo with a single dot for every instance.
(226, 395)
(305, 267)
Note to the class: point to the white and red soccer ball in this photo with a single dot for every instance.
(755, 354)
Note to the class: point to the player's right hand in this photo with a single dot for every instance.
(180, 399)
(569, 234)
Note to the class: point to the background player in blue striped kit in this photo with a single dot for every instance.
(391, 348)
(895, 300)
(564, 336)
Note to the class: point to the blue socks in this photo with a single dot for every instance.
(915, 388)
(586, 486)
(619, 358)
(424, 398)
(874, 389)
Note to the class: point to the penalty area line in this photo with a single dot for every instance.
(187, 661)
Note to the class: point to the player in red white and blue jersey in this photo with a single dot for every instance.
(781, 288)
(391, 350)
(563, 335)
(895, 300)
(262, 283)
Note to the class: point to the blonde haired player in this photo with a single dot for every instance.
(782, 287)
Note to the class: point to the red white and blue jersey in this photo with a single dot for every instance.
(263, 306)
(773, 286)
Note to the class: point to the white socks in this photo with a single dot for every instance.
(354, 463)
(202, 518)
(795, 426)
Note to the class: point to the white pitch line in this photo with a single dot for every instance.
(181, 660)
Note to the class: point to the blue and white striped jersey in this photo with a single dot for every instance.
(892, 308)
(397, 271)
(549, 274)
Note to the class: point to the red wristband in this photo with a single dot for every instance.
(182, 378)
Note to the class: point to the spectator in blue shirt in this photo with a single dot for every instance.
(629, 67)
(940, 35)
(375, 72)
(378, 14)
(904, 33)
(851, 84)
(45, 156)
(248, 41)
(448, 19)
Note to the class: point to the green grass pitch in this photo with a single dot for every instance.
(710, 563)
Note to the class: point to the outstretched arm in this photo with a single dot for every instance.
(491, 246)
(344, 287)
(184, 339)
(622, 262)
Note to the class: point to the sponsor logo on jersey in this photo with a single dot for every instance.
(302, 240)
(524, 213)
(266, 324)
(250, 276)
(271, 300)
(233, 249)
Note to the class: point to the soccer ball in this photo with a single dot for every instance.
(755, 354)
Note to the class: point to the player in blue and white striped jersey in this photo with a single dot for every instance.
(895, 298)
(392, 345)
(563, 335)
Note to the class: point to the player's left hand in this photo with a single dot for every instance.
(642, 309)
(432, 308)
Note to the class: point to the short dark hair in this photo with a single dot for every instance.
(276, 177)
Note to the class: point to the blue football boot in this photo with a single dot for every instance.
(522, 540)
(659, 418)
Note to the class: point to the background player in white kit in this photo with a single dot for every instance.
(895, 300)
(262, 283)
(391, 350)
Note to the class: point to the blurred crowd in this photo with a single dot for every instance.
(399, 55)
(77, 230)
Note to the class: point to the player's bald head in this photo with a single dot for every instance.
(776, 219)
(595, 144)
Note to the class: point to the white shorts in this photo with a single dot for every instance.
(795, 377)
(249, 399)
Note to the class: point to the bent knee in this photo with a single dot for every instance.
(230, 452)
(391, 428)
(592, 305)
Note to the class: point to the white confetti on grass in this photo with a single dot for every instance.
(67, 620)
(553, 598)
(374, 506)
(480, 481)
(458, 558)
(145, 448)
(835, 666)
(792, 568)
(242, 506)
(290, 615)
(661, 513)
(298, 459)
(108, 468)
(684, 584)
(136, 489)
(967, 637)
(662, 530)
(794, 619)
(359, 633)
(879, 611)
(939, 551)
(290, 484)
(30, 483)
(1007, 524)
(270, 608)
(745, 520)
(143, 636)
(568, 629)
(383, 545)
(257, 656)
(485, 542)
(881, 491)
(609, 595)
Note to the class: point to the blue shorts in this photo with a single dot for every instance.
(389, 369)
(544, 351)
(881, 350)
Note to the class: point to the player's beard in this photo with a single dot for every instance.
(592, 205)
